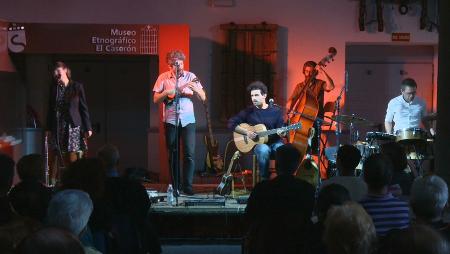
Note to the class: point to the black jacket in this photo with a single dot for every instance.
(78, 109)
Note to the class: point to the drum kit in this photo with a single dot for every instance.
(416, 141)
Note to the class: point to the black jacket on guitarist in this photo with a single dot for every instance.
(271, 117)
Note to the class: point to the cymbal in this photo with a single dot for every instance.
(346, 119)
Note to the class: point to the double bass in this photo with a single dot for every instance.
(305, 110)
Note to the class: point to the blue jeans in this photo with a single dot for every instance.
(187, 138)
(263, 154)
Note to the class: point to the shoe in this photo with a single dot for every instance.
(188, 192)
(176, 193)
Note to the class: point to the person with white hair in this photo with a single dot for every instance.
(429, 196)
(70, 209)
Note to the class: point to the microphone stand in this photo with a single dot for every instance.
(176, 153)
(337, 110)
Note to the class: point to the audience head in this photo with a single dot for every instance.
(87, 174)
(347, 159)
(377, 172)
(109, 156)
(50, 240)
(6, 173)
(416, 239)
(30, 199)
(287, 158)
(349, 230)
(31, 167)
(331, 195)
(429, 196)
(397, 155)
(70, 209)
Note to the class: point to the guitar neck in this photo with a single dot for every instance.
(235, 156)
(274, 131)
(208, 120)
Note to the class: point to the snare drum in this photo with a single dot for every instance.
(411, 136)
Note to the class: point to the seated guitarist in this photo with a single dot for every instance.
(260, 113)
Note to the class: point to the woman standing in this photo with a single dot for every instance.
(68, 123)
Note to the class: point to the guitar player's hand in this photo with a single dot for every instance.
(170, 92)
(251, 134)
(281, 133)
(194, 87)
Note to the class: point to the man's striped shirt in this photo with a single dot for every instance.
(387, 212)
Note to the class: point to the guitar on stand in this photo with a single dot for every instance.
(214, 162)
(224, 187)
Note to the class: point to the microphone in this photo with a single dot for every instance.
(272, 103)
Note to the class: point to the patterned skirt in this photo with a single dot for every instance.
(69, 139)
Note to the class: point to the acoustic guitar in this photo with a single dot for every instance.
(171, 97)
(246, 144)
(214, 162)
(224, 187)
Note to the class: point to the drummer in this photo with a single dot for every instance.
(406, 110)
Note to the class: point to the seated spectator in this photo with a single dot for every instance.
(400, 175)
(329, 196)
(279, 210)
(417, 239)
(109, 156)
(387, 211)
(87, 175)
(6, 179)
(30, 197)
(13, 227)
(70, 210)
(347, 160)
(349, 230)
(429, 196)
(51, 240)
(128, 203)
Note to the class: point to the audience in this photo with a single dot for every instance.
(70, 210)
(279, 210)
(109, 156)
(50, 240)
(429, 196)
(129, 204)
(417, 239)
(349, 230)
(13, 227)
(6, 179)
(329, 196)
(400, 175)
(387, 211)
(347, 160)
(99, 206)
(30, 197)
